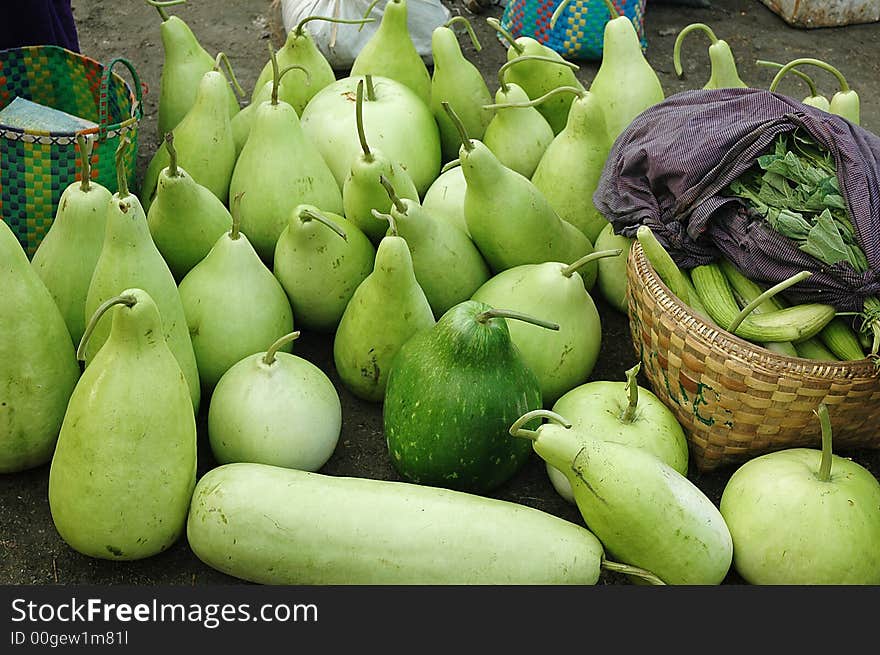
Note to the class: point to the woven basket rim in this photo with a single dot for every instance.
(737, 347)
(112, 127)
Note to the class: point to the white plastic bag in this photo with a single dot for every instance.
(340, 43)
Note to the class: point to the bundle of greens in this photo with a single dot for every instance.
(795, 189)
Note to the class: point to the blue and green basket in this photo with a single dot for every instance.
(35, 166)
(580, 29)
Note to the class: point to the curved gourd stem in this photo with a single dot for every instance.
(359, 122)
(371, 91)
(85, 161)
(676, 49)
(496, 25)
(578, 264)
(269, 357)
(173, 171)
(392, 224)
(369, 10)
(550, 60)
(825, 462)
(537, 101)
(276, 75)
(841, 80)
(287, 69)
(484, 317)
(801, 74)
(462, 130)
(235, 210)
(450, 165)
(769, 293)
(298, 30)
(517, 429)
(467, 25)
(222, 58)
(612, 9)
(632, 394)
(127, 300)
(307, 214)
(160, 6)
(557, 13)
(121, 176)
(644, 574)
(397, 202)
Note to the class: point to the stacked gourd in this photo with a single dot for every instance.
(454, 275)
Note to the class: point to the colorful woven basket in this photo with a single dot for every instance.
(734, 399)
(580, 29)
(36, 167)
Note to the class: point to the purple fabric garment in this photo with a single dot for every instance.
(37, 22)
(669, 168)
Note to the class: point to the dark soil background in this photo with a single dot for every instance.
(31, 552)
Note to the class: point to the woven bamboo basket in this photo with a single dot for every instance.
(734, 399)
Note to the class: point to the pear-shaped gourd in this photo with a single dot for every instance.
(517, 135)
(185, 218)
(386, 310)
(204, 143)
(569, 170)
(232, 275)
(644, 512)
(125, 466)
(625, 83)
(611, 279)
(320, 260)
(129, 259)
(444, 199)
(244, 120)
(391, 53)
(452, 393)
(510, 221)
(38, 368)
(537, 77)
(66, 257)
(447, 264)
(275, 408)
(566, 358)
(723, 72)
(626, 413)
(396, 123)
(457, 81)
(362, 191)
(279, 168)
(300, 50)
(185, 62)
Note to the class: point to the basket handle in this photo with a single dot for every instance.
(103, 104)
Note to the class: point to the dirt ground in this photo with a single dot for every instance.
(31, 551)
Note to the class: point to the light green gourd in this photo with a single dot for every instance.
(124, 469)
(444, 199)
(38, 368)
(517, 136)
(612, 282)
(66, 257)
(129, 258)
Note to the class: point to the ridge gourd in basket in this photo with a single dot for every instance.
(37, 165)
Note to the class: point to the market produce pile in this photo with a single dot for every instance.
(454, 268)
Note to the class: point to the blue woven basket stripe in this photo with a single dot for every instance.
(13, 194)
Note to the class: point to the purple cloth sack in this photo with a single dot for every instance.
(670, 167)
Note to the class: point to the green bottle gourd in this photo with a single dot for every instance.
(38, 368)
(447, 264)
(385, 311)
(185, 62)
(185, 218)
(391, 53)
(845, 102)
(444, 199)
(611, 279)
(569, 170)
(362, 191)
(509, 220)
(625, 83)
(458, 82)
(232, 275)
(66, 257)
(125, 466)
(723, 73)
(320, 260)
(815, 99)
(538, 77)
(279, 168)
(204, 142)
(129, 258)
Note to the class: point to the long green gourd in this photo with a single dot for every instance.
(845, 102)
(815, 99)
(723, 72)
